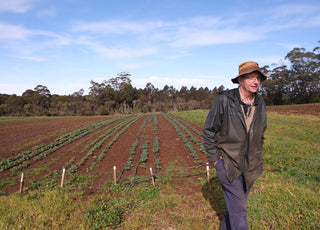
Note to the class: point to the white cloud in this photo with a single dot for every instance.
(197, 31)
(54, 39)
(16, 6)
(212, 37)
(118, 52)
(294, 15)
(13, 32)
(37, 59)
(117, 26)
(15, 88)
(204, 21)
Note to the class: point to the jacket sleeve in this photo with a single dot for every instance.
(211, 128)
(264, 122)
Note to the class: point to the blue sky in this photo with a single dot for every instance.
(64, 44)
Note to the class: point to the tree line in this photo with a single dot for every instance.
(295, 83)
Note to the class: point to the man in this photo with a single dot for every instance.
(233, 138)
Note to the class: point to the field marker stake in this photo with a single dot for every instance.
(62, 178)
(208, 173)
(115, 174)
(21, 182)
(152, 177)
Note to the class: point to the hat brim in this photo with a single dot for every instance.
(263, 76)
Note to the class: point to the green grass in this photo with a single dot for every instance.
(286, 196)
(195, 116)
(56, 209)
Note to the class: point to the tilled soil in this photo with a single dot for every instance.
(44, 131)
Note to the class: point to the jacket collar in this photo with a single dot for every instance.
(234, 94)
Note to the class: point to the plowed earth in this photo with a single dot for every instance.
(304, 109)
(18, 136)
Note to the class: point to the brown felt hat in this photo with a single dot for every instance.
(249, 67)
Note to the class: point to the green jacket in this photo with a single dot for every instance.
(225, 134)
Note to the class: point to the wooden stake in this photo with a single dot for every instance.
(115, 174)
(62, 178)
(208, 173)
(152, 177)
(21, 183)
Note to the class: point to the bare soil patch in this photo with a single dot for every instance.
(304, 109)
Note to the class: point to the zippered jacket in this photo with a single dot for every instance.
(225, 136)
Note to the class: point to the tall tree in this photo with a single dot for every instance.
(304, 75)
(275, 89)
(43, 90)
(119, 82)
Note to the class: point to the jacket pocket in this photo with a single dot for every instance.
(255, 162)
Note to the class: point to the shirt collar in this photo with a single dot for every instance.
(242, 98)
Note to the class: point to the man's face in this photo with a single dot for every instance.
(250, 82)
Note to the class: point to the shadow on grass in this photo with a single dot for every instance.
(213, 193)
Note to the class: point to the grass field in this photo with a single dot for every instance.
(286, 196)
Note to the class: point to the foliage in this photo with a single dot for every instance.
(105, 213)
(298, 84)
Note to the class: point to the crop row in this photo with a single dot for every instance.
(132, 150)
(156, 146)
(181, 123)
(185, 140)
(144, 147)
(38, 152)
(98, 142)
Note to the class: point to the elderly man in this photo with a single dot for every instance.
(233, 138)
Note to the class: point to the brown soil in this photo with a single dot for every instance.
(21, 134)
(305, 109)
(17, 136)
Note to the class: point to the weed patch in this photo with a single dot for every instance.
(105, 213)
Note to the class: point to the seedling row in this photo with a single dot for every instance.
(97, 140)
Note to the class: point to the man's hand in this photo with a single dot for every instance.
(214, 163)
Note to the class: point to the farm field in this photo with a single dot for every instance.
(286, 196)
(131, 143)
(304, 109)
(18, 133)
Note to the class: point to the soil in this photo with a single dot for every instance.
(17, 136)
(304, 109)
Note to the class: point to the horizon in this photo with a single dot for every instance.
(63, 45)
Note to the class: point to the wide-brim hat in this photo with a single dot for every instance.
(249, 67)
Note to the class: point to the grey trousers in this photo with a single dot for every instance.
(235, 196)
